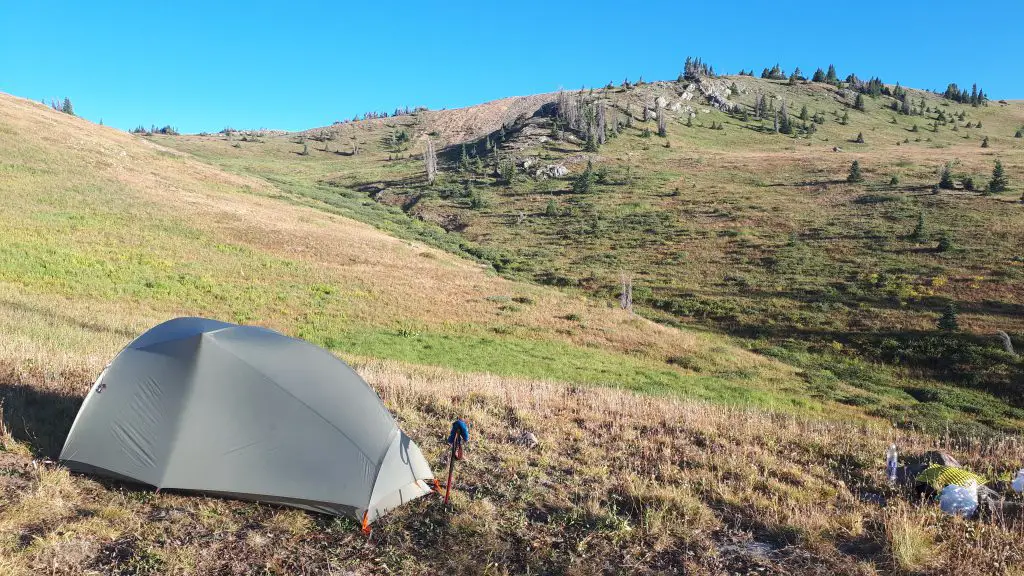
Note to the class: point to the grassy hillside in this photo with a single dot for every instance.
(746, 231)
(107, 234)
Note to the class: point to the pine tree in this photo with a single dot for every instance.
(858, 102)
(66, 107)
(998, 182)
(948, 321)
(819, 76)
(507, 169)
(585, 181)
(984, 142)
(860, 138)
(785, 126)
(552, 209)
(945, 243)
(946, 178)
(919, 231)
(803, 112)
(845, 118)
(831, 76)
(854, 175)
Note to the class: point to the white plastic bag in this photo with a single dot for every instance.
(1018, 482)
(959, 500)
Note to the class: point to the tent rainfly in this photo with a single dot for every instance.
(244, 412)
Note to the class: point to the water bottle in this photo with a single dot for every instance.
(891, 460)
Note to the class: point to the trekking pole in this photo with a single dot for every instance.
(451, 467)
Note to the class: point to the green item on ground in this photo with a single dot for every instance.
(938, 477)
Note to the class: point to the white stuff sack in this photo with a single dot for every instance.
(959, 500)
(1018, 482)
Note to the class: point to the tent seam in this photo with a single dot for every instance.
(297, 399)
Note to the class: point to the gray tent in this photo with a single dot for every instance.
(244, 412)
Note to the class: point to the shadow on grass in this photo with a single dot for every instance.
(40, 416)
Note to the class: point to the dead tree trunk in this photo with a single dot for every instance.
(626, 298)
(430, 161)
(1007, 343)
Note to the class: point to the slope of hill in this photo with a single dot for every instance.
(725, 223)
(107, 233)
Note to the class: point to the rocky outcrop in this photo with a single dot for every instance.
(716, 92)
(551, 171)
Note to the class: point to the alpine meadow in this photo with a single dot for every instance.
(684, 320)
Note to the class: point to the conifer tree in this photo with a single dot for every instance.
(946, 178)
(984, 142)
(585, 181)
(945, 243)
(858, 102)
(998, 182)
(919, 230)
(854, 175)
(803, 112)
(785, 126)
(552, 209)
(948, 321)
(831, 76)
(819, 76)
(66, 107)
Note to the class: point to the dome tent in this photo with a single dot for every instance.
(245, 412)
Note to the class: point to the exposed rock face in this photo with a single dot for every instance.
(716, 92)
(551, 171)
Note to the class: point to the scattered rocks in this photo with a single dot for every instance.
(551, 171)
(528, 439)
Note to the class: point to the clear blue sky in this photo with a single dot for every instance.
(297, 64)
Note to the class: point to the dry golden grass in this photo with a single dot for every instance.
(621, 482)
